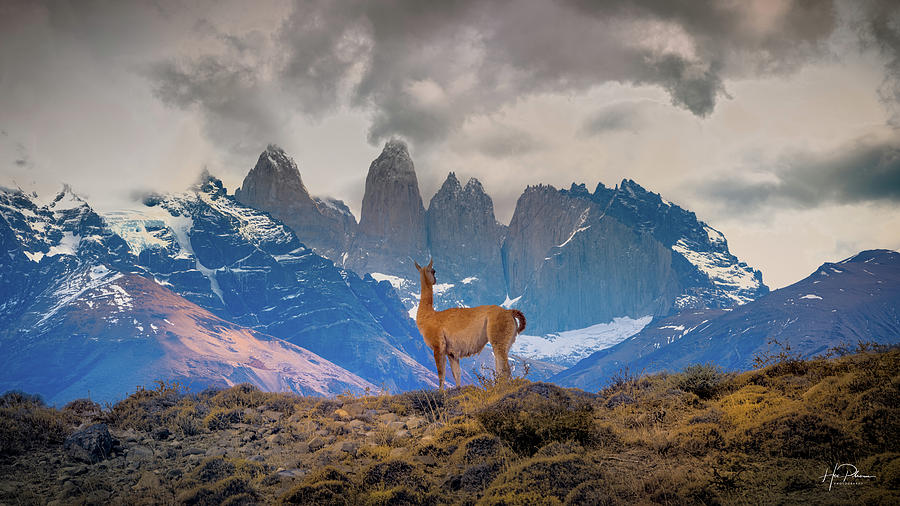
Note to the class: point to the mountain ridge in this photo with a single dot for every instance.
(840, 303)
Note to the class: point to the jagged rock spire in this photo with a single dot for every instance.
(392, 209)
(274, 185)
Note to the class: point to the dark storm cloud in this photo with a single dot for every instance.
(423, 68)
(863, 172)
(880, 26)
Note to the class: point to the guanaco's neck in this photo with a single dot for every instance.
(426, 296)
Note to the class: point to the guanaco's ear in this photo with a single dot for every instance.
(417, 265)
(431, 263)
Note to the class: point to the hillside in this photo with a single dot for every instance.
(698, 436)
(847, 301)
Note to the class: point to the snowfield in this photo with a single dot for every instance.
(568, 347)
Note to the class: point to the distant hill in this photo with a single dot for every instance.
(857, 299)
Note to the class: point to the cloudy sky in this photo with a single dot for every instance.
(776, 121)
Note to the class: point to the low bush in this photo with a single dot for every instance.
(219, 480)
(537, 414)
(144, 409)
(221, 418)
(703, 380)
(83, 408)
(26, 423)
(551, 478)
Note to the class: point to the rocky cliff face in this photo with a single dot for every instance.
(544, 217)
(602, 271)
(578, 258)
(710, 275)
(464, 239)
(571, 257)
(392, 221)
(274, 185)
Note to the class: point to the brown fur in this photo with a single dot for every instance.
(462, 332)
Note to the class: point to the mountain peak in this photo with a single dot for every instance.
(395, 147)
(877, 256)
(394, 162)
(451, 185)
(274, 177)
(474, 186)
(66, 199)
(207, 183)
(392, 219)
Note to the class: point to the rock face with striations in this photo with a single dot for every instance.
(577, 258)
(580, 266)
(274, 185)
(465, 238)
(392, 221)
(544, 217)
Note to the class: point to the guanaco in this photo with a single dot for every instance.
(462, 332)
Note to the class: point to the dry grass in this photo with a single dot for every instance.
(699, 436)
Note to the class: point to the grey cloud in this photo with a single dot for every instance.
(620, 116)
(230, 94)
(423, 68)
(504, 142)
(881, 27)
(864, 172)
(22, 158)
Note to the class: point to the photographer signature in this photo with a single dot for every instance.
(848, 474)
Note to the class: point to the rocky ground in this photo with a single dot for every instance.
(699, 436)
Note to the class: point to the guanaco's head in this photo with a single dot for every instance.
(427, 272)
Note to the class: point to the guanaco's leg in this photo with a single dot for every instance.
(501, 362)
(501, 335)
(439, 361)
(454, 368)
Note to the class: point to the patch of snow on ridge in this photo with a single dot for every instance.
(255, 226)
(68, 245)
(732, 277)
(508, 303)
(811, 296)
(396, 281)
(132, 227)
(568, 347)
(715, 237)
(72, 287)
(576, 231)
(442, 287)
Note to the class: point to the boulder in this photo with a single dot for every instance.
(91, 444)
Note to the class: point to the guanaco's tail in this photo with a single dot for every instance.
(520, 319)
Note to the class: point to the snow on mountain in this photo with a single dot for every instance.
(101, 333)
(735, 280)
(838, 304)
(249, 268)
(568, 347)
(78, 318)
(712, 276)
